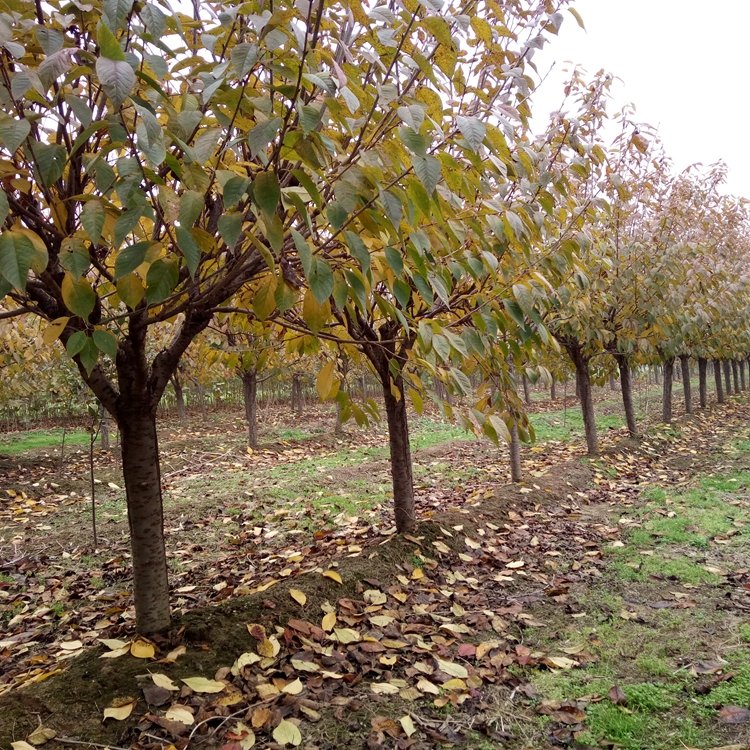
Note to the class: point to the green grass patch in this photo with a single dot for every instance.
(566, 425)
(14, 444)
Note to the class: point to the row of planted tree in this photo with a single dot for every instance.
(348, 185)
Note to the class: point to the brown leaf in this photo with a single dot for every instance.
(734, 715)
(617, 695)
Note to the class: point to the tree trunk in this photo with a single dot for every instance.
(515, 453)
(702, 387)
(141, 473)
(727, 377)
(742, 374)
(735, 376)
(626, 385)
(612, 382)
(250, 400)
(553, 389)
(526, 391)
(666, 394)
(297, 394)
(400, 449)
(578, 387)
(583, 383)
(657, 379)
(179, 396)
(686, 390)
(339, 427)
(717, 379)
(104, 428)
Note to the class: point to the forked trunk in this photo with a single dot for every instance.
(400, 450)
(686, 390)
(702, 385)
(583, 383)
(250, 399)
(717, 381)
(140, 468)
(626, 386)
(666, 393)
(515, 453)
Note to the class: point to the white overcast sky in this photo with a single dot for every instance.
(684, 64)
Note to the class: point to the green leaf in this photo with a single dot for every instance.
(359, 251)
(4, 207)
(309, 118)
(116, 12)
(88, 355)
(244, 56)
(234, 189)
(129, 258)
(78, 296)
(320, 280)
(50, 161)
(16, 254)
(473, 130)
(266, 192)
(105, 342)
(337, 214)
(191, 205)
(428, 170)
(190, 249)
(230, 228)
(109, 47)
(161, 279)
(395, 261)
(303, 249)
(261, 135)
(117, 79)
(415, 142)
(74, 256)
(92, 219)
(402, 292)
(75, 343)
(13, 133)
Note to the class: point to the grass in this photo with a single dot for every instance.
(14, 444)
(566, 425)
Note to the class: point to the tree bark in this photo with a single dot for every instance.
(666, 393)
(141, 473)
(657, 379)
(686, 389)
(612, 382)
(702, 387)
(297, 394)
(400, 451)
(626, 385)
(179, 396)
(250, 400)
(515, 453)
(735, 376)
(583, 383)
(742, 374)
(717, 380)
(553, 389)
(526, 391)
(104, 428)
(727, 377)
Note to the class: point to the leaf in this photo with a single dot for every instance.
(21, 745)
(162, 681)
(473, 130)
(333, 575)
(71, 645)
(266, 192)
(142, 649)
(452, 669)
(347, 635)
(384, 688)
(92, 219)
(204, 685)
(287, 733)
(180, 713)
(269, 647)
(734, 715)
(328, 622)
(325, 382)
(13, 133)
(119, 713)
(16, 254)
(408, 725)
(186, 242)
(41, 735)
(105, 342)
(117, 79)
(427, 168)
(293, 688)
(299, 596)
(560, 662)
(617, 695)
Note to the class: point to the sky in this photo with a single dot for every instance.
(684, 64)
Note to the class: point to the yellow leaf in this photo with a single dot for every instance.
(113, 643)
(381, 621)
(266, 690)
(452, 669)
(326, 384)
(41, 735)
(21, 745)
(287, 733)
(299, 596)
(408, 725)
(560, 662)
(428, 687)
(119, 713)
(333, 575)
(454, 684)
(53, 330)
(328, 622)
(347, 635)
(71, 645)
(180, 713)
(374, 596)
(164, 682)
(417, 574)
(515, 564)
(173, 655)
(293, 688)
(142, 649)
(130, 289)
(384, 688)
(204, 685)
(269, 647)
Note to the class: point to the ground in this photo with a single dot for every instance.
(601, 604)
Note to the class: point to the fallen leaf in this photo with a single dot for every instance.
(347, 635)
(142, 649)
(270, 647)
(180, 713)
(119, 712)
(71, 645)
(204, 685)
(293, 688)
(287, 733)
(559, 662)
(617, 695)
(21, 745)
(41, 735)
(734, 715)
(408, 725)
(328, 622)
(164, 682)
(299, 596)
(384, 688)
(333, 575)
(452, 669)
